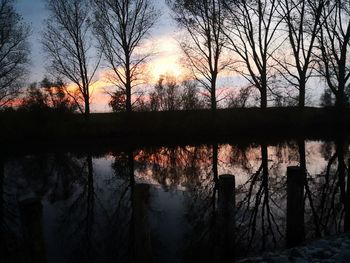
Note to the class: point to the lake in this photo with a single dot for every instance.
(172, 204)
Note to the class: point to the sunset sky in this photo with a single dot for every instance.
(163, 39)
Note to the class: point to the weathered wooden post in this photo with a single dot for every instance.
(142, 231)
(347, 201)
(31, 219)
(2, 178)
(295, 206)
(2, 203)
(226, 217)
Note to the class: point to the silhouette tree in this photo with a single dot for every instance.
(331, 202)
(118, 101)
(166, 95)
(333, 43)
(252, 34)
(191, 97)
(239, 99)
(302, 19)
(35, 99)
(121, 26)
(58, 98)
(327, 99)
(67, 41)
(14, 51)
(204, 45)
(48, 95)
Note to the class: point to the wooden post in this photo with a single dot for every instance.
(295, 206)
(2, 179)
(2, 205)
(226, 217)
(142, 232)
(347, 201)
(31, 218)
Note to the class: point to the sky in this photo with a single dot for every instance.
(163, 38)
(34, 13)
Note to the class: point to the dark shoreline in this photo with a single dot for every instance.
(24, 130)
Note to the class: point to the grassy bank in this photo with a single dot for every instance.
(142, 127)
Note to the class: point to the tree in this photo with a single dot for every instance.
(166, 95)
(14, 51)
(191, 97)
(326, 99)
(252, 34)
(302, 19)
(121, 26)
(118, 101)
(35, 99)
(57, 97)
(48, 95)
(170, 95)
(203, 48)
(67, 41)
(334, 43)
(239, 99)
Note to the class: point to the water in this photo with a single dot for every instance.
(163, 204)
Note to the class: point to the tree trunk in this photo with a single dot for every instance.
(340, 99)
(87, 106)
(128, 98)
(263, 99)
(213, 97)
(302, 95)
(128, 84)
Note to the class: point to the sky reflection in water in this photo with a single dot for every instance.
(68, 208)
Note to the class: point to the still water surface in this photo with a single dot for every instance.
(163, 204)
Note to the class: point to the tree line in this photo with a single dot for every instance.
(277, 47)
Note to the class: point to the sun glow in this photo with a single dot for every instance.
(166, 60)
(165, 66)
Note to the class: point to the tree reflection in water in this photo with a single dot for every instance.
(92, 210)
(260, 212)
(330, 191)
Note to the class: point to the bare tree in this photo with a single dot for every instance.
(191, 96)
(252, 33)
(239, 99)
(14, 51)
(67, 41)
(166, 95)
(48, 95)
(334, 43)
(203, 48)
(121, 26)
(302, 19)
(171, 95)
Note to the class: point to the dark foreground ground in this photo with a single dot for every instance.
(153, 128)
(334, 249)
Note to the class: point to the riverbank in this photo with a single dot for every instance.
(331, 250)
(172, 127)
